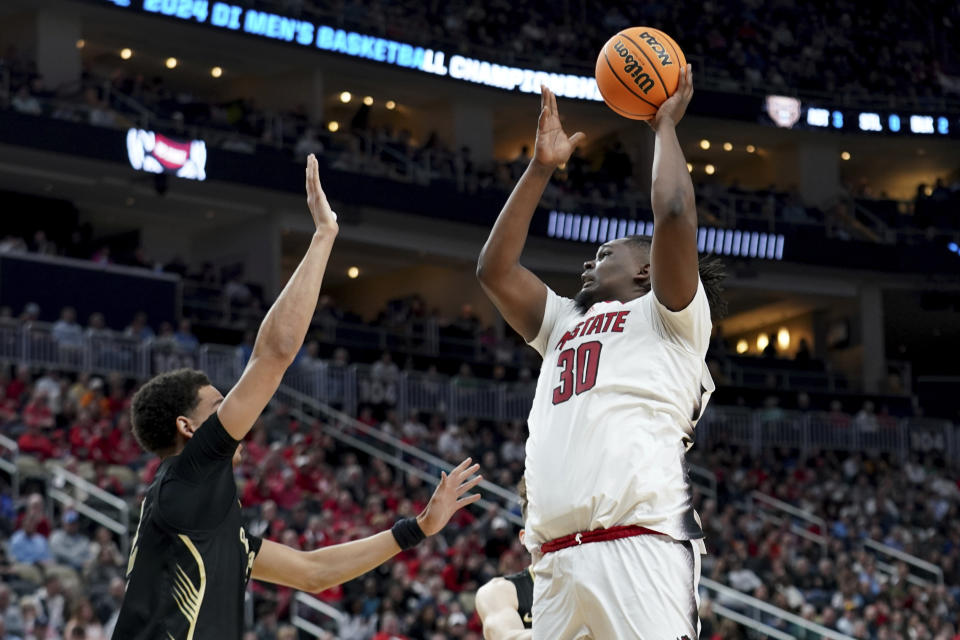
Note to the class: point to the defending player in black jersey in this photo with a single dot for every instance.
(505, 605)
(191, 557)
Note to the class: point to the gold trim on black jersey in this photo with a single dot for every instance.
(187, 595)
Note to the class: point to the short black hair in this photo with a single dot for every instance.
(712, 274)
(158, 404)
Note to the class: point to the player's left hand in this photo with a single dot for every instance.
(448, 498)
(673, 108)
(323, 216)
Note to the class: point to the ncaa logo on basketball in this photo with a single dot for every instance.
(657, 48)
(631, 66)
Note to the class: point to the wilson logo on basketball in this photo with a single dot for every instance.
(631, 66)
(658, 49)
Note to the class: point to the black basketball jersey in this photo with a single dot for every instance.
(523, 583)
(191, 557)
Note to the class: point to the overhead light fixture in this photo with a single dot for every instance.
(751, 148)
(689, 168)
(783, 338)
(345, 97)
(81, 43)
(704, 144)
(391, 105)
(742, 346)
(763, 340)
(353, 273)
(126, 53)
(368, 100)
(728, 146)
(333, 126)
(216, 72)
(171, 63)
(845, 155)
(710, 169)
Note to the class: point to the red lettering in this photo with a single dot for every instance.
(576, 330)
(621, 318)
(609, 316)
(595, 325)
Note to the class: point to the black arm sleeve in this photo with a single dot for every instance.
(204, 454)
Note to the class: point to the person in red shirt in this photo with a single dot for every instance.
(80, 435)
(37, 413)
(124, 449)
(286, 493)
(389, 628)
(36, 510)
(18, 386)
(34, 443)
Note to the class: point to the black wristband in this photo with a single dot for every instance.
(407, 533)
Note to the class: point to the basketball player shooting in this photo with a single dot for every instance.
(615, 540)
(191, 557)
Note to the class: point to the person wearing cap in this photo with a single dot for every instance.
(68, 545)
(505, 604)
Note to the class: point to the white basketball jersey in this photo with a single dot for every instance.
(619, 394)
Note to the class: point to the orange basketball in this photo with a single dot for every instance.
(637, 70)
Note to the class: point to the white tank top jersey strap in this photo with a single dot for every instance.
(621, 389)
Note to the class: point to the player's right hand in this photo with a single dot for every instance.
(552, 147)
(323, 216)
(448, 497)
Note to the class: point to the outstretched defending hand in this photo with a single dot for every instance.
(552, 147)
(447, 499)
(323, 215)
(673, 108)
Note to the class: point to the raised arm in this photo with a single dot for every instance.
(285, 325)
(519, 294)
(673, 254)
(497, 607)
(315, 571)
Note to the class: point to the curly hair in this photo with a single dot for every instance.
(158, 404)
(712, 274)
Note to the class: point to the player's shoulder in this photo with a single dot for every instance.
(496, 593)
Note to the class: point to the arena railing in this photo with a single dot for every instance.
(10, 466)
(791, 514)
(73, 492)
(350, 386)
(393, 451)
(732, 599)
(307, 620)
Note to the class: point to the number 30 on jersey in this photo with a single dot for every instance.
(578, 370)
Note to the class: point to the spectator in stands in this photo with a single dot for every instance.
(866, 420)
(27, 546)
(97, 326)
(31, 312)
(23, 102)
(104, 550)
(185, 338)
(18, 387)
(108, 605)
(10, 612)
(68, 545)
(50, 385)
(34, 443)
(37, 412)
(82, 616)
(803, 354)
(385, 369)
(66, 331)
(139, 329)
(4, 634)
